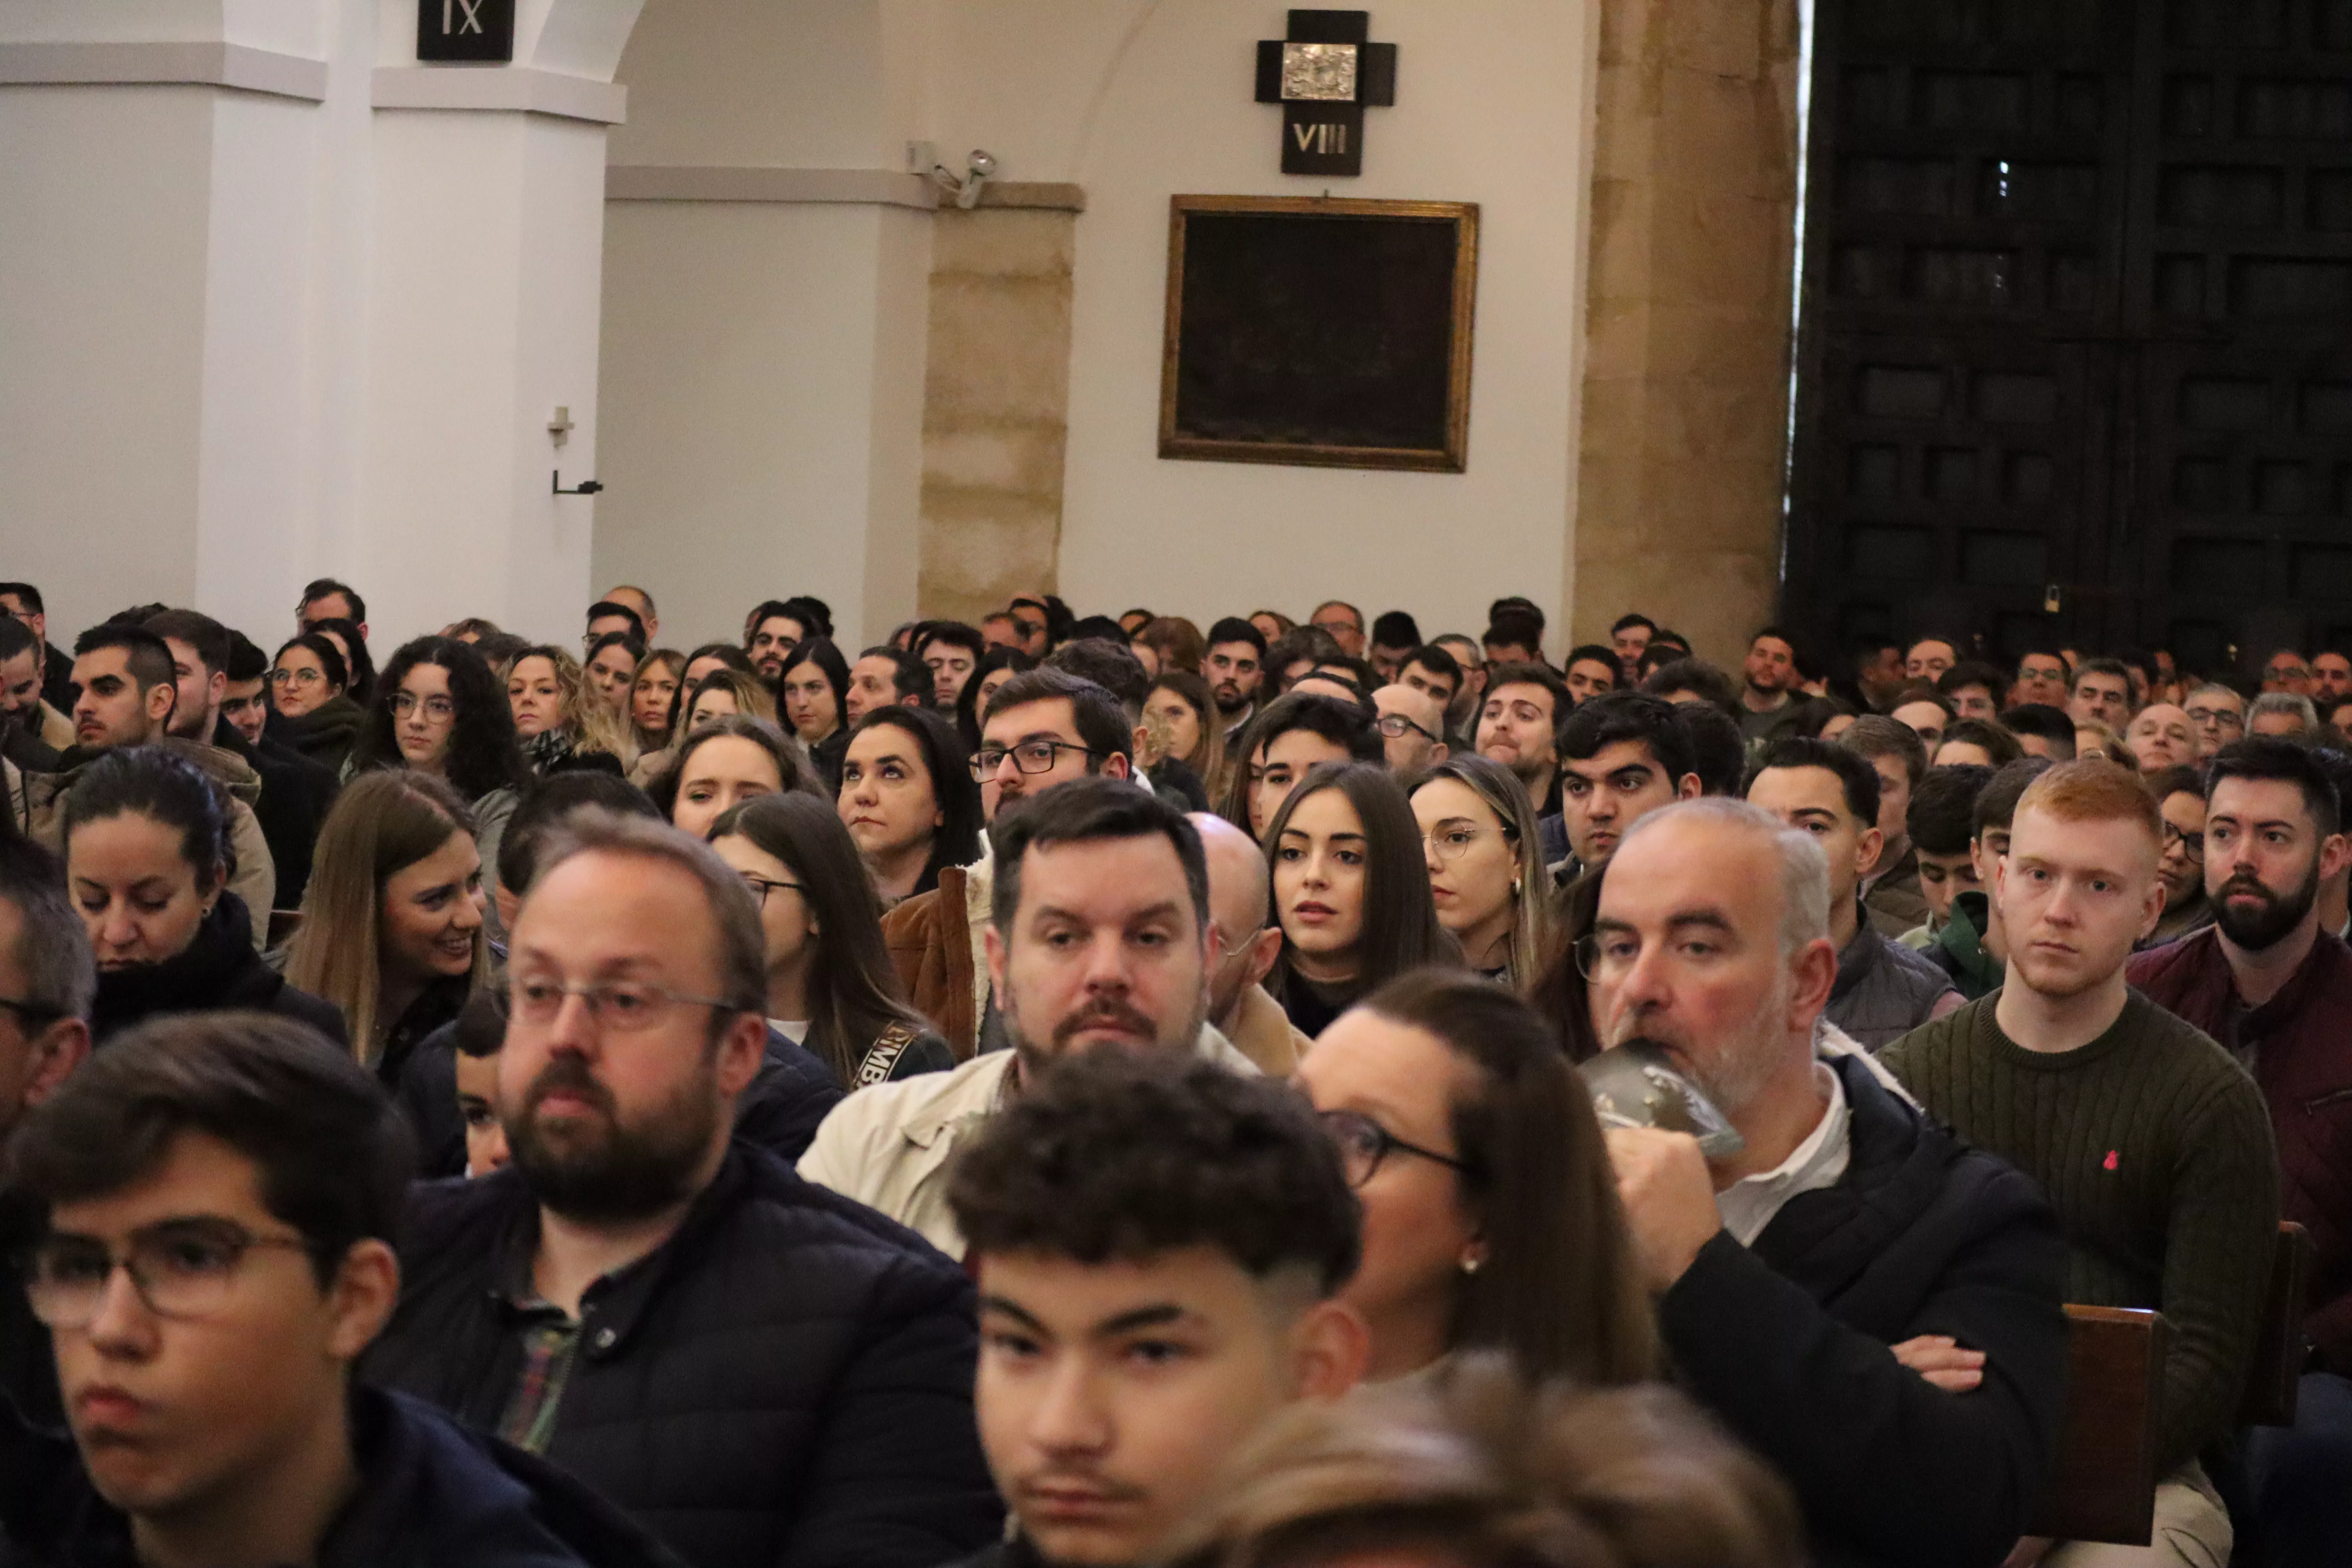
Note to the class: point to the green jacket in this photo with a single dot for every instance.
(1958, 949)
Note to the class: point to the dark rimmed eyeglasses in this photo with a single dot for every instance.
(1394, 725)
(1028, 757)
(1364, 1144)
(762, 887)
(178, 1267)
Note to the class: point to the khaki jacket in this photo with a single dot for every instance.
(57, 729)
(254, 879)
(889, 1146)
(1263, 1032)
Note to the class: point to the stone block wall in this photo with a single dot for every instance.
(1685, 396)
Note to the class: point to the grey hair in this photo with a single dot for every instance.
(2289, 702)
(742, 943)
(2230, 691)
(1804, 868)
(53, 958)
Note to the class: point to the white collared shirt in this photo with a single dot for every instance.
(1749, 1205)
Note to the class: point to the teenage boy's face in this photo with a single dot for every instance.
(1111, 1395)
(175, 1412)
(1942, 879)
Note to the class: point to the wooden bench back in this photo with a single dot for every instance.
(2281, 1350)
(2102, 1486)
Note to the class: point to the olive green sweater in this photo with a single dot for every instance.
(2155, 1148)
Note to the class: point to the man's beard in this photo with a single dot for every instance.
(1230, 706)
(2261, 928)
(1737, 1071)
(1035, 1058)
(599, 1171)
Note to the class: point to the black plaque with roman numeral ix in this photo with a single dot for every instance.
(1324, 74)
(471, 32)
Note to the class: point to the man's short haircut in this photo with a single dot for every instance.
(1627, 622)
(53, 958)
(479, 1030)
(1597, 653)
(1338, 721)
(1718, 751)
(2301, 708)
(1609, 717)
(547, 804)
(1338, 604)
(2114, 666)
(1099, 717)
(1804, 865)
(1527, 674)
(1514, 628)
(1128, 1155)
(1309, 642)
(150, 660)
(770, 609)
(320, 587)
(2091, 789)
(1856, 778)
(1955, 643)
(909, 675)
(2277, 757)
(1109, 665)
(1997, 801)
(1999, 742)
(2054, 725)
(25, 593)
(332, 1153)
(1693, 679)
(742, 956)
(1231, 629)
(16, 637)
(2040, 650)
(953, 634)
(1087, 811)
(1777, 633)
(246, 661)
(1875, 735)
(1974, 672)
(1516, 604)
(1942, 818)
(207, 636)
(604, 609)
(1395, 628)
(1437, 661)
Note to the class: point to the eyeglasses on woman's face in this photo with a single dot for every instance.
(1365, 1145)
(301, 679)
(440, 709)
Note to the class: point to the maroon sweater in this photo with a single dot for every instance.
(2298, 1045)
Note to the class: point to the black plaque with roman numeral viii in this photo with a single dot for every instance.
(473, 32)
(1324, 74)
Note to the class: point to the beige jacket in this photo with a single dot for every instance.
(889, 1146)
(1263, 1032)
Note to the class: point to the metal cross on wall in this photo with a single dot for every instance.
(1324, 74)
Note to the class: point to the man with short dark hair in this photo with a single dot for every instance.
(1685, 680)
(1884, 990)
(1890, 889)
(1469, 698)
(1629, 637)
(1001, 630)
(23, 603)
(1941, 823)
(758, 1372)
(326, 599)
(2042, 731)
(1928, 659)
(2331, 678)
(2275, 989)
(1771, 705)
(1590, 670)
(1343, 622)
(1128, 1203)
(885, 676)
(2154, 1147)
(1110, 665)
(1098, 935)
(1514, 638)
(1235, 668)
(31, 731)
(128, 687)
(1394, 636)
(1294, 734)
(1814, 1285)
(2041, 677)
(2101, 694)
(1974, 688)
(1877, 671)
(953, 651)
(606, 618)
(1432, 670)
(1623, 755)
(245, 703)
(222, 1192)
(1519, 726)
(1043, 727)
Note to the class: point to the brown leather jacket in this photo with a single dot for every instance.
(934, 943)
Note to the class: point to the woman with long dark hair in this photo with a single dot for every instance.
(146, 853)
(812, 695)
(311, 706)
(1351, 892)
(1491, 1217)
(353, 646)
(996, 666)
(909, 800)
(831, 984)
(1485, 867)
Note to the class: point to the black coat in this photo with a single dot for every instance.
(1787, 1342)
(217, 971)
(432, 1495)
(787, 1383)
(780, 1112)
(295, 793)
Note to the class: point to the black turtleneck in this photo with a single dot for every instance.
(217, 971)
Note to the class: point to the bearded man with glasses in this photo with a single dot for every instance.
(756, 1371)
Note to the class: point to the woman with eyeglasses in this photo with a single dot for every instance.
(310, 700)
(831, 984)
(2180, 801)
(562, 726)
(146, 852)
(1487, 874)
(812, 692)
(395, 923)
(909, 800)
(439, 711)
(725, 764)
(1491, 1217)
(1351, 892)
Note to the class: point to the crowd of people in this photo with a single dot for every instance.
(1088, 1092)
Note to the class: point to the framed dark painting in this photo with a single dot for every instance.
(1332, 332)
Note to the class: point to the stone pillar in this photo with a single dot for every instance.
(996, 400)
(1685, 399)
(277, 301)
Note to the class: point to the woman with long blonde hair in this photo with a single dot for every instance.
(392, 922)
(562, 727)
